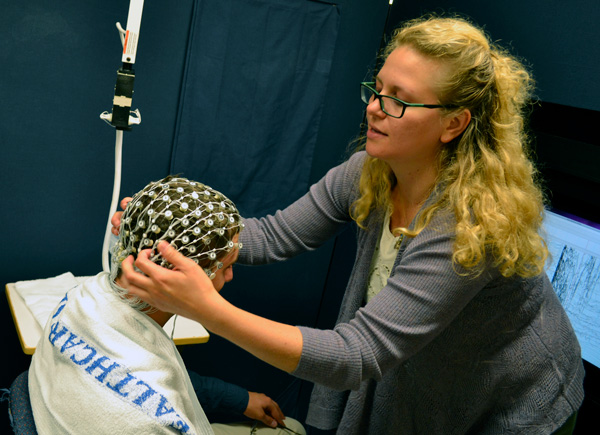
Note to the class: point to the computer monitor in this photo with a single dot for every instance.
(574, 269)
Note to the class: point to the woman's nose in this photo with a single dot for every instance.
(374, 107)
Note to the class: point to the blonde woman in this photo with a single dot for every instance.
(448, 324)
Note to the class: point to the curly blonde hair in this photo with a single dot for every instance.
(485, 175)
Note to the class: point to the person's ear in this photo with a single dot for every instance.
(455, 125)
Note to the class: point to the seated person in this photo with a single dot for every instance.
(104, 363)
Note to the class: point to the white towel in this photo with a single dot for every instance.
(103, 368)
(42, 295)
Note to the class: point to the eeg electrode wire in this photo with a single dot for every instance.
(115, 199)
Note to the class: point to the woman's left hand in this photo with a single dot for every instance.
(183, 290)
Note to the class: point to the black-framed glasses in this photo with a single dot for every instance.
(392, 106)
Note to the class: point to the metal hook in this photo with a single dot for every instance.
(122, 33)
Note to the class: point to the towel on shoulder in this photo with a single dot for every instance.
(101, 367)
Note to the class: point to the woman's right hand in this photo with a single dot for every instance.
(116, 218)
(185, 289)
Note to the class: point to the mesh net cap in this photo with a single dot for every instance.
(198, 221)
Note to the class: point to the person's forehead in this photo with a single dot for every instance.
(409, 71)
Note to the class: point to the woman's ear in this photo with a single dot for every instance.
(455, 125)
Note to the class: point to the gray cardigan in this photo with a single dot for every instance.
(435, 352)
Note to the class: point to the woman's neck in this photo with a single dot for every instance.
(409, 194)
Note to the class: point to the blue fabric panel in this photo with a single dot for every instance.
(252, 98)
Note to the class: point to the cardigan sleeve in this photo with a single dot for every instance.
(307, 223)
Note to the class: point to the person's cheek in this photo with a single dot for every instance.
(229, 274)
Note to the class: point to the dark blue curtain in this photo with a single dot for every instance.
(251, 103)
(252, 98)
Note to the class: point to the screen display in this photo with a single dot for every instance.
(574, 270)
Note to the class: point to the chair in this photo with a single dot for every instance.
(19, 406)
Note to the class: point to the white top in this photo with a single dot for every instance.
(101, 367)
(383, 259)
